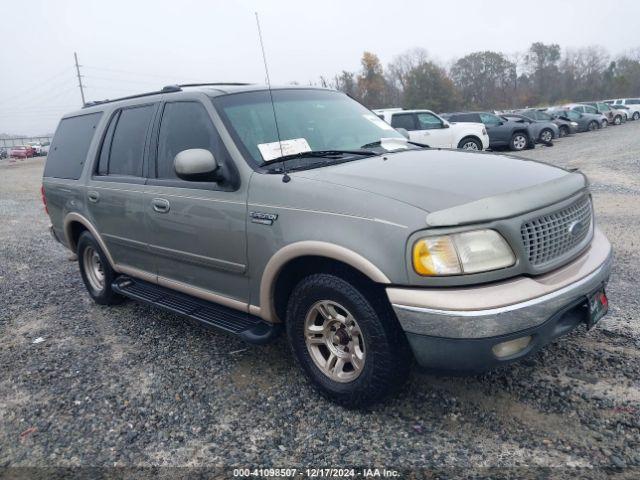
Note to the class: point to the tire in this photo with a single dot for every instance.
(518, 142)
(96, 272)
(617, 120)
(564, 131)
(546, 135)
(636, 115)
(605, 123)
(593, 126)
(375, 354)
(470, 143)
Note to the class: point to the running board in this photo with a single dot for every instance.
(248, 327)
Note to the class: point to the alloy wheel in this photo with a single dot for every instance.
(519, 142)
(93, 269)
(334, 341)
(470, 146)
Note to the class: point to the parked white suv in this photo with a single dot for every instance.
(426, 127)
(632, 103)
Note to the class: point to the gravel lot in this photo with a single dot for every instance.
(134, 386)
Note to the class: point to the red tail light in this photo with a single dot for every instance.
(44, 199)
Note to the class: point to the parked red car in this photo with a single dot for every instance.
(21, 151)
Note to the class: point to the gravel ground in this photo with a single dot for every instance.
(134, 386)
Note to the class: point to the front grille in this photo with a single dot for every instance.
(556, 234)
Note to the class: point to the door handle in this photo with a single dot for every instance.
(160, 205)
(93, 196)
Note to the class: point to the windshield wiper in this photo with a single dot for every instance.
(319, 154)
(378, 143)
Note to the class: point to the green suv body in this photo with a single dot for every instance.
(253, 210)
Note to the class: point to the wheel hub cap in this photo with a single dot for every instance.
(334, 341)
(93, 269)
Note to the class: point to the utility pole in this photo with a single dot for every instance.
(75, 55)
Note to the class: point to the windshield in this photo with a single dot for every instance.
(308, 120)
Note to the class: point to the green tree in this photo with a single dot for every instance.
(542, 63)
(428, 86)
(485, 79)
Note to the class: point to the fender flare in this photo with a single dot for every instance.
(303, 249)
(76, 217)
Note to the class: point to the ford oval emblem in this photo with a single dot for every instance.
(575, 228)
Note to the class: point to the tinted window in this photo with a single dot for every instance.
(184, 125)
(604, 107)
(403, 120)
(465, 117)
(103, 163)
(489, 119)
(428, 121)
(633, 101)
(70, 146)
(572, 115)
(589, 109)
(127, 145)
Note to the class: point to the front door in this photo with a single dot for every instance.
(499, 134)
(197, 228)
(432, 131)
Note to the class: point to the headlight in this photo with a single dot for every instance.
(575, 124)
(459, 253)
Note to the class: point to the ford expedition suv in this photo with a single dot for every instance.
(299, 210)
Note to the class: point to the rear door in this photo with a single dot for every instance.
(115, 190)
(197, 228)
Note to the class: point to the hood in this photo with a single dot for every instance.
(435, 180)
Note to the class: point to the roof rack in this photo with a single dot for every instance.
(165, 89)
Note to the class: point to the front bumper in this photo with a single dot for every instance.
(456, 328)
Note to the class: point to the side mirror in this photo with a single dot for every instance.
(403, 131)
(196, 164)
(445, 124)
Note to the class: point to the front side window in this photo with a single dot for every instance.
(184, 125)
(127, 145)
(307, 120)
(589, 109)
(403, 120)
(572, 115)
(428, 121)
(633, 101)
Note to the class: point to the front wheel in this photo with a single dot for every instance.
(617, 120)
(605, 123)
(593, 125)
(546, 135)
(564, 131)
(636, 115)
(518, 142)
(346, 340)
(470, 143)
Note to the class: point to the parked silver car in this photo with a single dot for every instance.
(325, 222)
(542, 130)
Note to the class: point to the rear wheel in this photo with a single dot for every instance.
(470, 143)
(518, 142)
(346, 340)
(636, 115)
(593, 125)
(96, 272)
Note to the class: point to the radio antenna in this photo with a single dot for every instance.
(286, 177)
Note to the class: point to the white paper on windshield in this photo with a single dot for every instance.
(378, 122)
(271, 151)
(390, 144)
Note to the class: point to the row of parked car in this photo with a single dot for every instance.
(514, 129)
(31, 149)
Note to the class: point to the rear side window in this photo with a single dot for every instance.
(184, 125)
(126, 147)
(403, 120)
(70, 145)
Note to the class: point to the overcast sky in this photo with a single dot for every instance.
(131, 46)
